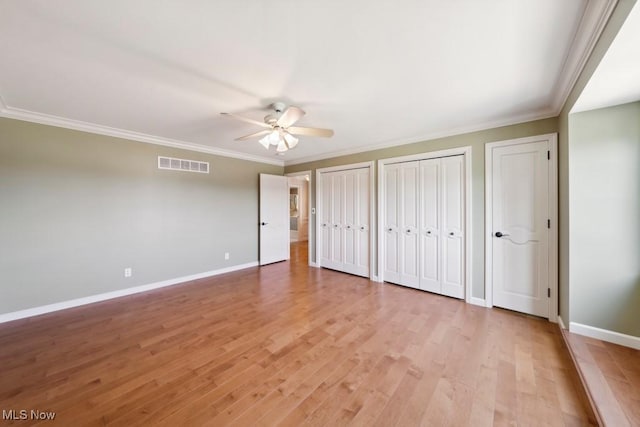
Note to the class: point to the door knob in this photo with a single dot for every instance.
(500, 234)
(451, 233)
(348, 227)
(264, 223)
(408, 230)
(428, 231)
(389, 229)
(362, 228)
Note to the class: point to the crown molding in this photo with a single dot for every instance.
(529, 117)
(594, 19)
(47, 119)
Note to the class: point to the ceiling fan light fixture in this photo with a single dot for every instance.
(282, 146)
(274, 137)
(291, 140)
(265, 142)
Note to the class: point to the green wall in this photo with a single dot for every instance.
(620, 13)
(604, 180)
(77, 208)
(477, 141)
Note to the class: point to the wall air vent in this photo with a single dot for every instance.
(172, 163)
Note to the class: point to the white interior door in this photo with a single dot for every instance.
(519, 227)
(274, 218)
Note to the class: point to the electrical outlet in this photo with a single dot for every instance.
(128, 272)
(226, 255)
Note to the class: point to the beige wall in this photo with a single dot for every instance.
(604, 183)
(476, 140)
(77, 208)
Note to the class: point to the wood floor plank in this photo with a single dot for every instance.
(611, 375)
(290, 345)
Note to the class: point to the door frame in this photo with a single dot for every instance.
(468, 254)
(552, 279)
(310, 236)
(372, 218)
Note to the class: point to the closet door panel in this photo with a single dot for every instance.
(337, 207)
(391, 224)
(349, 220)
(362, 222)
(453, 226)
(325, 219)
(409, 208)
(430, 236)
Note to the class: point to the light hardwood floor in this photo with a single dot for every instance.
(611, 374)
(291, 345)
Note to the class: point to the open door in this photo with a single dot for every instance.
(274, 218)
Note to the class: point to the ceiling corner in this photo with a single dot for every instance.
(51, 120)
(592, 24)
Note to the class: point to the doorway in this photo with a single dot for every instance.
(299, 208)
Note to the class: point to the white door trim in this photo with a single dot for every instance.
(552, 139)
(372, 218)
(464, 151)
(311, 216)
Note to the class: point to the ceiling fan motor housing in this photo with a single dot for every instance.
(279, 107)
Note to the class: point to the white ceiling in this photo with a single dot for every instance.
(379, 73)
(617, 78)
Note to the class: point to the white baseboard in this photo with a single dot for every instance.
(35, 311)
(477, 301)
(605, 335)
(314, 264)
(561, 323)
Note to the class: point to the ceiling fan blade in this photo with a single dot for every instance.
(244, 119)
(253, 135)
(290, 116)
(297, 130)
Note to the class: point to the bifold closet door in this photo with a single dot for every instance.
(392, 202)
(424, 225)
(402, 262)
(328, 229)
(453, 208)
(355, 226)
(344, 221)
(430, 226)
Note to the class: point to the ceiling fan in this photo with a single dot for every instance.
(279, 128)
